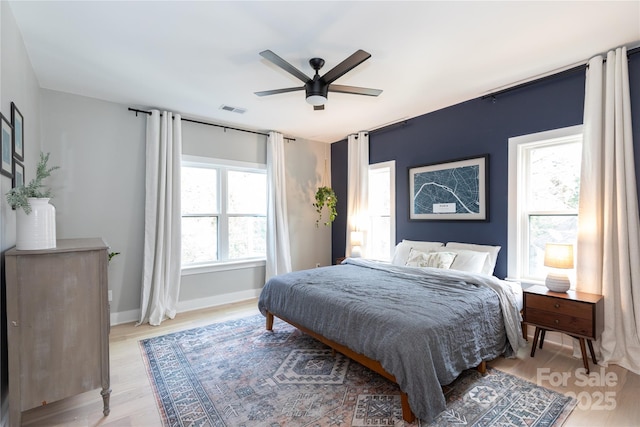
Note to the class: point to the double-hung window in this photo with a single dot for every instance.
(382, 196)
(544, 193)
(224, 206)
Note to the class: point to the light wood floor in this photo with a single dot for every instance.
(133, 403)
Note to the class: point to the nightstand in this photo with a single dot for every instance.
(578, 314)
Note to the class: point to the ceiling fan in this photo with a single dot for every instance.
(317, 87)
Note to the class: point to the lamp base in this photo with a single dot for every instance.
(557, 282)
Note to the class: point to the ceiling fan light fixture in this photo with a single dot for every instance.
(316, 99)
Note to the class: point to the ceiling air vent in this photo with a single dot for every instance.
(233, 109)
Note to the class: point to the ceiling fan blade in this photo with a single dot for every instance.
(318, 107)
(355, 90)
(270, 56)
(277, 91)
(342, 68)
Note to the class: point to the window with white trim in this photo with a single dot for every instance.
(544, 193)
(224, 207)
(382, 224)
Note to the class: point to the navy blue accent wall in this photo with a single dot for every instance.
(468, 129)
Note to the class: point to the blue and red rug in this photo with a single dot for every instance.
(236, 373)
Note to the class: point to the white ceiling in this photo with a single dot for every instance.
(193, 57)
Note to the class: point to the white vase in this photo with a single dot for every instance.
(37, 230)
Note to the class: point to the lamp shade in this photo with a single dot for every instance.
(356, 238)
(558, 255)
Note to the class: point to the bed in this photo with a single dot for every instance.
(418, 326)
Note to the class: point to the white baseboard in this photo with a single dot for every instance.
(214, 301)
(125, 317)
(557, 338)
(190, 305)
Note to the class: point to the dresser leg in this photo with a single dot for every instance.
(535, 341)
(106, 394)
(583, 350)
(593, 353)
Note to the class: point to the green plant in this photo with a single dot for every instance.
(112, 254)
(19, 197)
(326, 196)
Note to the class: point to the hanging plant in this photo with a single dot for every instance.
(326, 196)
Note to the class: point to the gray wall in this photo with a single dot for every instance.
(99, 190)
(18, 84)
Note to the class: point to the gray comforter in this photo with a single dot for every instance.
(424, 326)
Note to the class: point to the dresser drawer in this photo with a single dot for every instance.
(562, 322)
(571, 308)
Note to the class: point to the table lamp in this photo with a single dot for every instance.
(558, 257)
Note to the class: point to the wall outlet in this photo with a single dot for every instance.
(317, 264)
(110, 295)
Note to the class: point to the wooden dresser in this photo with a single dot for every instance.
(578, 314)
(58, 324)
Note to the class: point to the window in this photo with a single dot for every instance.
(382, 196)
(544, 193)
(224, 207)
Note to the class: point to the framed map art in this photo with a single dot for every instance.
(455, 190)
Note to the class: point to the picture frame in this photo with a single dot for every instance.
(17, 121)
(18, 174)
(453, 190)
(6, 153)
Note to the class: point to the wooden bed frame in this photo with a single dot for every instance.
(374, 365)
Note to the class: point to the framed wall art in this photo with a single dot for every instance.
(18, 132)
(6, 137)
(455, 190)
(18, 174)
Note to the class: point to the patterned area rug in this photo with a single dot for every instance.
(238, 374)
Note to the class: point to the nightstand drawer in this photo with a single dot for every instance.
(561, 306)
(562, 322)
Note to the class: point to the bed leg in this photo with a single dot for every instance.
(407, 413)
(482, 367)
(269, 325)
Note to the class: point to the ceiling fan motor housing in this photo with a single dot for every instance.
(316, 87)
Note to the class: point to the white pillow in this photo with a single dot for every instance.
(401, 253)
(469, 261)
(431, 259)
(490, 263)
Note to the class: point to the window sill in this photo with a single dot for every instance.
(222, 266)
(525, 283)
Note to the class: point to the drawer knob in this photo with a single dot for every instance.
(556, 305)
(556, 321)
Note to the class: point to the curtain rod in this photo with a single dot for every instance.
(385, 127)
(562, 73)
(135, 110)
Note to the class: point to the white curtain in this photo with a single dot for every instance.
(609, 231)
(278, 248)
(358, 189)
(161, 262)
